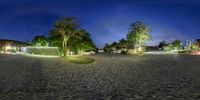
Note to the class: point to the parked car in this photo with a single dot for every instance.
(89, 52)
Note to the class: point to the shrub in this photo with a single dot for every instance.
(42, 50)
(185, 52)
(123, 52)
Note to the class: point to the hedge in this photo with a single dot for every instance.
(42, 50)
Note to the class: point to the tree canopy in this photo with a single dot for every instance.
(69, 38)
(176, 43)
(63, 30)
(40, 40)
(138, 33)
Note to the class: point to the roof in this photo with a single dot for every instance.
(13, 42)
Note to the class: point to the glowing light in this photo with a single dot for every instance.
(9, 50)
(140, 49)
(24, 49)
(8, 47)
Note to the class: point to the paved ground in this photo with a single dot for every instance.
(110, 77)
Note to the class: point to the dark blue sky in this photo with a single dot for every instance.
(106, 20)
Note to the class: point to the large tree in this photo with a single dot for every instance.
(138, 34)
(62, 31)
(40, 40)
(81, 42)
(70, 38)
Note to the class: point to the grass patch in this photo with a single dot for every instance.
(79, 59)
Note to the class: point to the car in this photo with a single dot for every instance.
(89, 52)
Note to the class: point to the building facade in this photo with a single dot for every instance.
(11, 46)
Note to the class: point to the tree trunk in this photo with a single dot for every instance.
(64, 44)
(64, 48)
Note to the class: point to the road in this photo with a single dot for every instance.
(109, 77)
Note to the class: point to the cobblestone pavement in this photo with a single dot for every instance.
(109, 77)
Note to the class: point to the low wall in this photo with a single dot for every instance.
(40, 50)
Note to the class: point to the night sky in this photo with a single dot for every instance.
(106, 20)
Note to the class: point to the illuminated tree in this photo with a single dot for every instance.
(69, 38)
(40, 41)
(63, 30)
(81, 42)
(138, 34)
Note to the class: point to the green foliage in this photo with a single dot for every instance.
(136, 38)
(195, 47)
(79, 59)
(176, 43)
(122, 42)
(114, 46)
(138, 33)
(69, 38)
(110, 47)
(62, 31)
(81, 42)
(42, 51)
(40, 41)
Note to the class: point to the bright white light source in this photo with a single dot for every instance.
(140, 49)
(8, 47)
(24, 49)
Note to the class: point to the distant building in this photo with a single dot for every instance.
(100, 50)
(11, 46)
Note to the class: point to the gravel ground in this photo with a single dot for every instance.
(110, 77)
